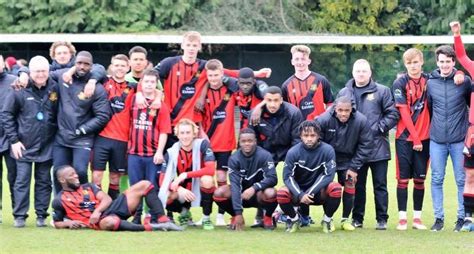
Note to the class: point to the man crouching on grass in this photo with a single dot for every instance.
(86, 206)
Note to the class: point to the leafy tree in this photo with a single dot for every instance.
(433, 17)
(88, 16)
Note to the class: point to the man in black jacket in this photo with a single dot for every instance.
(29, 121)
(79, 118)
(277, 131)
(252, 180)
(448, 103)
(6, 80)
(309, 169)
(376, 102)
(348, 132)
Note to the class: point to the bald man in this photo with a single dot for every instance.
(80, 117)
(86, 206)
(29, 122)
(376, 102)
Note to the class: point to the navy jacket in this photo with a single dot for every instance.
(309, 170)
(89, 115)
(378, 106)
(6, 81)
(257, 171)
(29, 116)
(351, 140)
(278, 132)
(448, 104)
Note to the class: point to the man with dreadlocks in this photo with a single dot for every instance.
(308, 172)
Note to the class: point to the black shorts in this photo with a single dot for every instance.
(410, 163)
(119, 207)
(252, 202)
(171, 140)
(469, 162)
(222, 160)
(112, 151)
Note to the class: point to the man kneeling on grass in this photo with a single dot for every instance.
(86, 206)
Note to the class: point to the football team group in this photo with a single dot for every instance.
(168, 133)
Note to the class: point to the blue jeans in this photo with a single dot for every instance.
(439, 155)
(142, 168)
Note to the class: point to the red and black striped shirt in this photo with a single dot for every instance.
(76, 205)
(298, 92)
(248, 102)
(177, 76)
(120, 97)
(185, 164)
(411, 93)
(145, 128)
(218, 117)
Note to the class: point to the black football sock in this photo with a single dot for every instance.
(331, 205)
(113, 191)
(402, 195)
(468, 205)
(206, 200)
(128, 226)
(156, 207)
(347, 201)
(225, 204)
(418, 194)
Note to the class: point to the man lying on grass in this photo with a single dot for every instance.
(86, 206)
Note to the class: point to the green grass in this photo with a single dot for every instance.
(49, 240)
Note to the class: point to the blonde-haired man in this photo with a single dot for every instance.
(187, 173)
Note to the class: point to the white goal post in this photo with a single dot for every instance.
(232, 39)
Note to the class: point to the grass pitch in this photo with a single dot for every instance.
(308, 240)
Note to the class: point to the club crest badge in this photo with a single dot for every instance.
(53, 96)
(81, 96)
